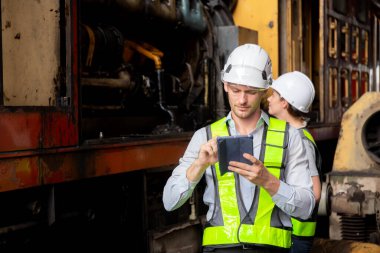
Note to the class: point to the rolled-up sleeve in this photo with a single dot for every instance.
(178, 188)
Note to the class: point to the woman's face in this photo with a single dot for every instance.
(276, 104)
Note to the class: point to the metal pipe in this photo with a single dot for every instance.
(161, 100)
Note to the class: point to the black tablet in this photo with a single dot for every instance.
(232, 148)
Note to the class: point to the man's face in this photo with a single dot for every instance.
(244, 100)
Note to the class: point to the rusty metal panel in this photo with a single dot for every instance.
(59, 129)
(19, 131)
(32, 56)
(111, 160)
(30, 169)
(34, 130)
(18, 173)
(31, 128)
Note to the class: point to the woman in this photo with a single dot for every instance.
(291, 99)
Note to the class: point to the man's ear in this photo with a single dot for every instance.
(225, 86)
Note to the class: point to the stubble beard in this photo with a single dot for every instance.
(244, 115)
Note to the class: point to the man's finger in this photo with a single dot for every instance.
(251, 158)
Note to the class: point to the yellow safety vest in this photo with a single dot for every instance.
(306, 228)
(231, 224)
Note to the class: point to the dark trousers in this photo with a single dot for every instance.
(301, 246)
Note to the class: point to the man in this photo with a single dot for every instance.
(293, 107)
(249, 208)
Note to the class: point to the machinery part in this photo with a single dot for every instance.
(186, 13)
(371, 138)
(355, 178)
(324, 203)
(358, 148)
(104, 46)
(352, 227)
(333, 246)
(181, 238)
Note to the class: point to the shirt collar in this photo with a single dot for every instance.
(264, 118)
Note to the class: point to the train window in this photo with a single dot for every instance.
(333, 23)
(296, 5)
(31, 53)
(364, 83)
(344, 88)
(364, 47)
(340, 6)
(361, 10)
(333, 88)
(354, 86)
(345, 41)
(355, 44)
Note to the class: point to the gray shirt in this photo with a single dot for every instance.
(310, 154)
(294, 197)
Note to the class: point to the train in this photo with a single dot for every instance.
(99, 99)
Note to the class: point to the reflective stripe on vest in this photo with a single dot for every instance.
(305, 228)
(233, 230)
(308, 135)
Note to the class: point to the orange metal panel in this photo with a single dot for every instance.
(59, 130)
(62, 165)
(27, 131)
(19, 131)
(18, 173)
(138, 157)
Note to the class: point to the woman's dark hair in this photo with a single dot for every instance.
(297, 113)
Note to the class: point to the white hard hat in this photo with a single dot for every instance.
(296, 88)
(250, 65)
